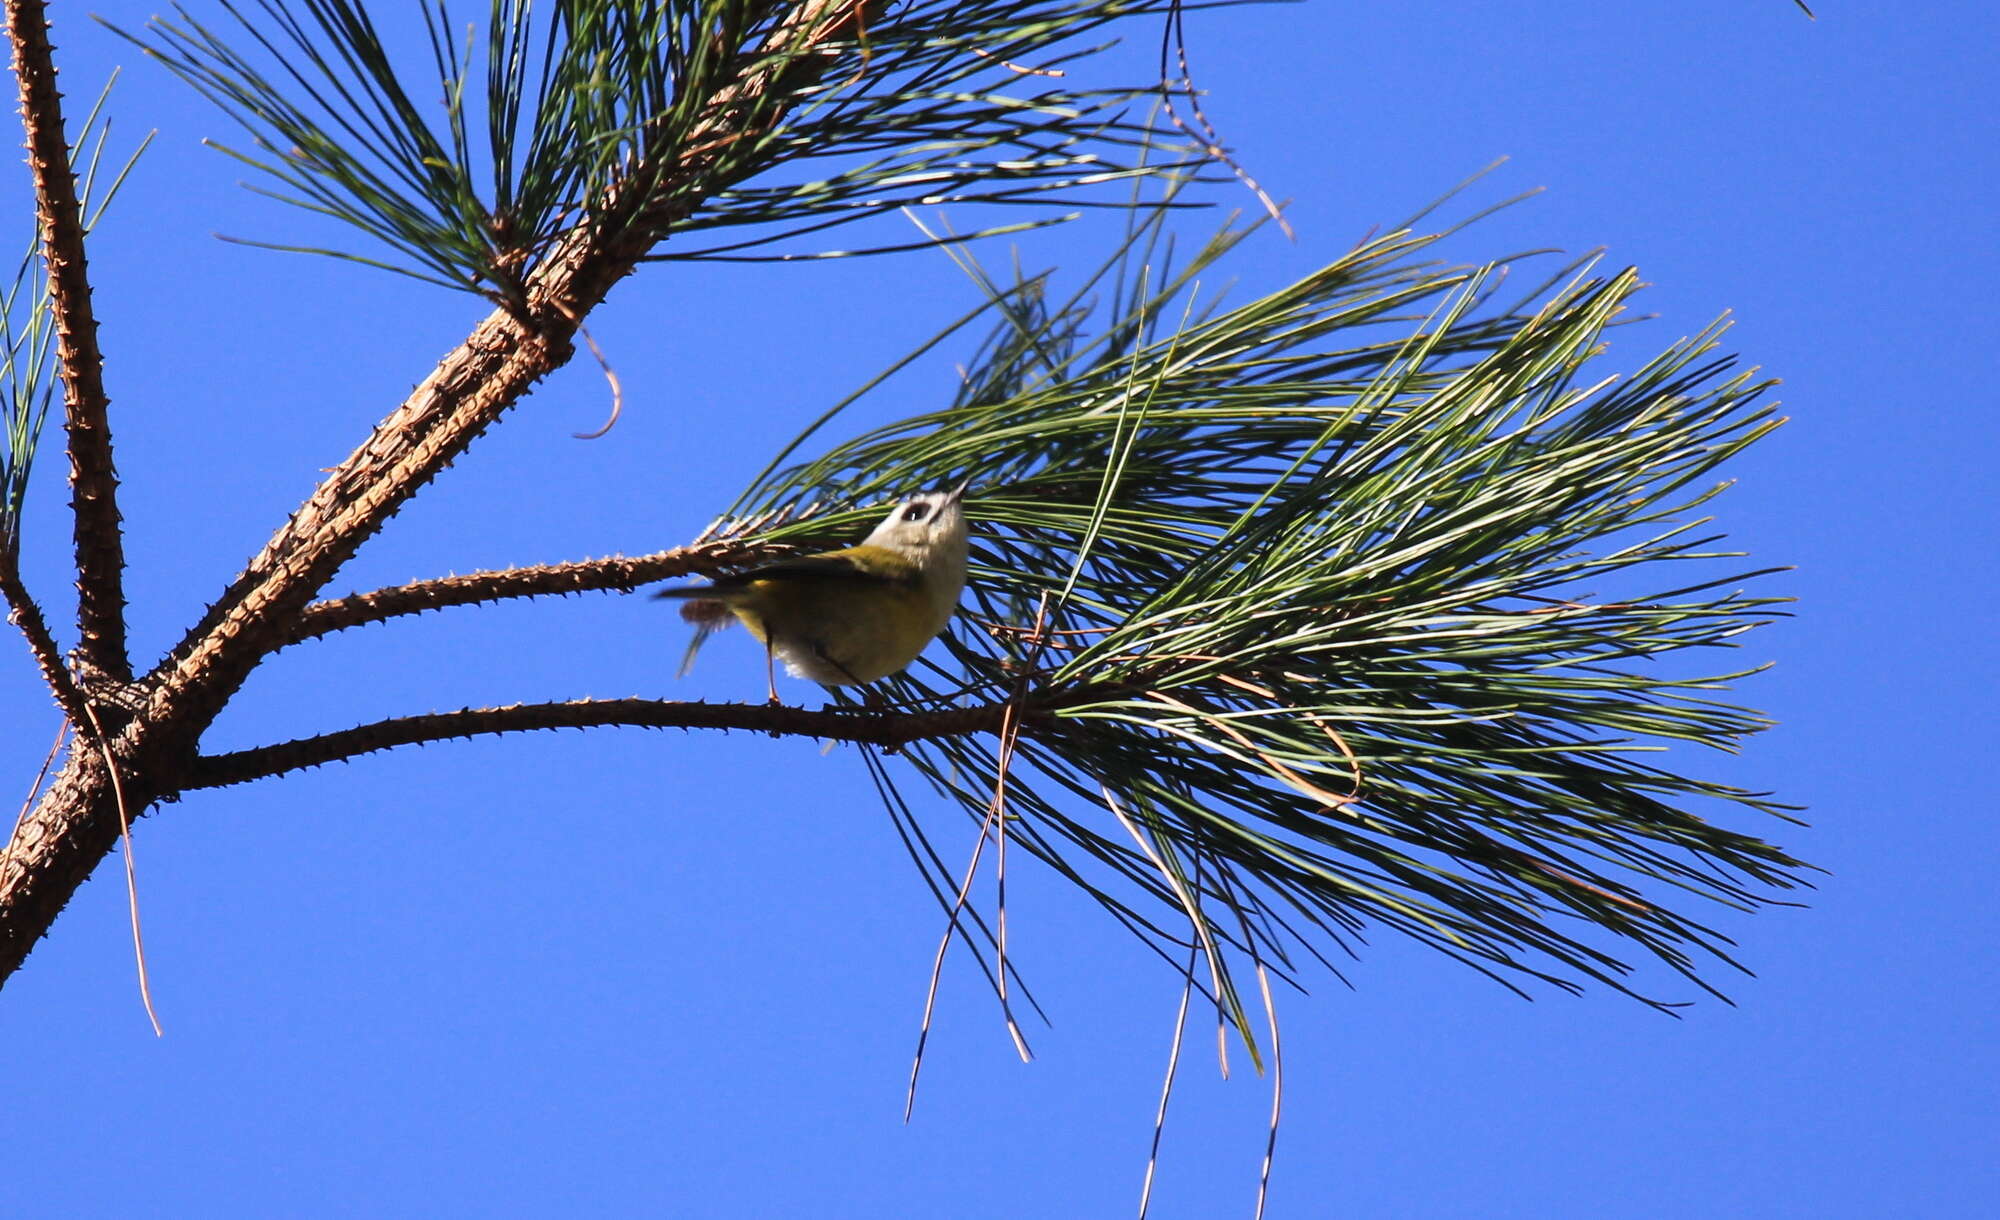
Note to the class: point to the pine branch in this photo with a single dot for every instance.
(542, 580)
(906, 102)
(25, 614)
(1367, 582)
(1354, 591)
(514, 348)
(76, 823)
(100, 550)
(888, 730)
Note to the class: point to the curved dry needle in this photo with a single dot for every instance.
(1277, 1050)
(1277, 1090)
(937, 966)
(131, 870)
(1167, 1085)
(617, 387)
(1010, 731)
(28, 802)
(925, 856)
(1014, 67)
(1174, 38)
(1193, 910)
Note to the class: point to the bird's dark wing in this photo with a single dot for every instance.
(833, 565)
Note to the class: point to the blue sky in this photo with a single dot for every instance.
(632, 972)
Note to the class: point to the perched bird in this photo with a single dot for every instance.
(847, 616)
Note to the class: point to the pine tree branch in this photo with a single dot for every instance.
(76, 823)
(100, 548)
(886, 729)
(511, 350)
(542, 580)
(25, 614)
(1304, 550)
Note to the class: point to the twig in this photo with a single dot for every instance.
(1277, 1048)
(1570, 879)
(25, 614)
(505, 355)
(999, 629)
(1318, 722)
(100, 548)
(72, 829)
(1010, 728)
(1210, 140)
(542, 580)
(924, 855)
(242, 766)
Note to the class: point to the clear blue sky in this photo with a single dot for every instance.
(657, 973)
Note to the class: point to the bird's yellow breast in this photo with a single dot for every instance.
(837, 630)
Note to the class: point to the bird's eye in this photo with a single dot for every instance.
(917, 512)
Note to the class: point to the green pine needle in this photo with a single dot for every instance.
(1379, 601)
(28, 377)
(467, 149)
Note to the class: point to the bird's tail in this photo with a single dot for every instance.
(706, 611)
(701, 634)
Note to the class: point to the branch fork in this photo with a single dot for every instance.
(153, 727)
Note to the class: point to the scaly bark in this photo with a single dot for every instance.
(827, 724)
(615, 572)
(154, 725)
(25, 614)
(93, 478)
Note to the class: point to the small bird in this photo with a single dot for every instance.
(852, 615)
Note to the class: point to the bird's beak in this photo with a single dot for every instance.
(952, 496)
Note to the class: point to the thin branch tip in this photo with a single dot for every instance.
(861, 726)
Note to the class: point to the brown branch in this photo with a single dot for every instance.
(28, 802)
(510, 351)
(76, 822)
(887, 729)
(93, 479)
(464, 395)
(56, 847)
(25, 614)
(542, 580)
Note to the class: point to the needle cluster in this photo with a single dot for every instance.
(1373, 601)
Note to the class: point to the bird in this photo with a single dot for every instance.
(849, 616)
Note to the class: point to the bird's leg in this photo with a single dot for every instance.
(770, 669)
(819, 650)
(869, 695)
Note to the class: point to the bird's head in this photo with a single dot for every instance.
(929, 528)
